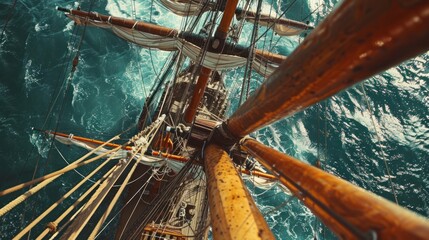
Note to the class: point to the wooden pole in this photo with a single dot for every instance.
(88, 140)
(114, 145)
(199, 90)
(58, 202)
(350, 211)
(123, 22)
(218, 43)
(356, 41)
(78, 163)
(273, 57)
(233, 213)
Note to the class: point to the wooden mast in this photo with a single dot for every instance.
(350, 211)
(220, 36)
(358, 40)
(233, 213)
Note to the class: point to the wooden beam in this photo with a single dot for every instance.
(349, 211)
(218, 44)
(127, 23)
(359, 39)
(228, 14)
(113, 145)
(273, 57)
(199, 90)
(233, 213)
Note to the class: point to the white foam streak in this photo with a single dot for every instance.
(32, 76)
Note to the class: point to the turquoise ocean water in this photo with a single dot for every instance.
(351, 133)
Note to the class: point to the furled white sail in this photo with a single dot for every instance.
(183, 8)
(214, 61)
(146, 160)
(282, 29)
(282, 26)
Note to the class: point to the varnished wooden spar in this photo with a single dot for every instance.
(123, 22)
(233, 213)
(198, 94)
(348, 210)
(273, 57)
(113, 145)
(240, 14)
(356, 41)
(170, 32)
(87, 140)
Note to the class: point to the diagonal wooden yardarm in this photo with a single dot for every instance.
(220, 36)
(351, 212)
(356, 41)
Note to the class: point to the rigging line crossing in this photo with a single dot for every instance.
(61, 110)
(69, 221)
(126, 204)
(205, 73)
(272, 25)
(58, 87)
(116, 197)
(137, 202)
(199, 69)
(74, 205)
(248, 68)
(150, 49)
(271, 39)
(94, 202)
(194, 173)
(57, 221)
(159, 202)
(389, 176)
(278, 207)
(303, 19)
(83, 176)
(53, 206)
(45, 180)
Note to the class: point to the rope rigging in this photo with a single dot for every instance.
(168, 198)
(248, 71)
(67, 83)
(388, 171)
(168, 209)
(141, 144)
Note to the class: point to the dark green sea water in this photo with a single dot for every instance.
(113, 77)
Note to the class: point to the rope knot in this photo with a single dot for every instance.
(52, 227)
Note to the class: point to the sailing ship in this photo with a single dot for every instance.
(182, 174)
